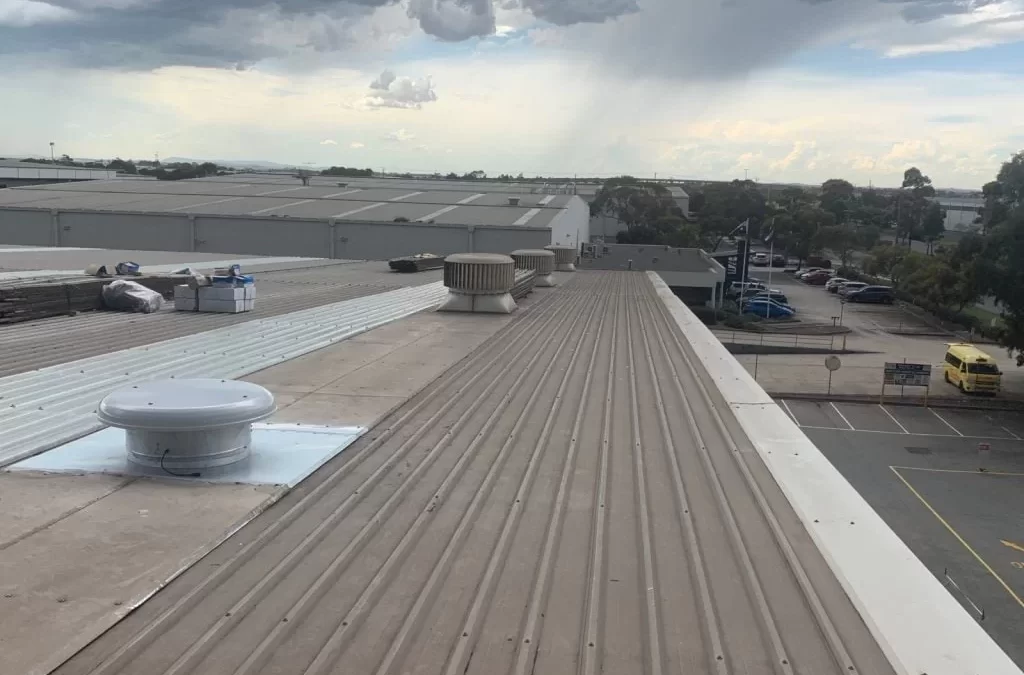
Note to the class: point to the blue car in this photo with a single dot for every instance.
(767, 308)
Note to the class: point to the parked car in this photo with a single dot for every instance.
(803, 271)
(819, 278)
(833, 284)
(760, 259)
(775, 294)
(816, 261)
(778, 260)
(768, 308)
(737, 287)
(851, 286)
(876, 294)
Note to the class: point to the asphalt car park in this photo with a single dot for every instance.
(950, 483)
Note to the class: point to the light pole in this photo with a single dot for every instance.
(52, 160)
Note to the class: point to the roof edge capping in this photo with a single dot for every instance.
(920, 627)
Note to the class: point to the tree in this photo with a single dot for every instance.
(912, 202)
(836, 197)
(122, 166)
(840, 239)
(933, 225)
(648, 210)
(1004, 279)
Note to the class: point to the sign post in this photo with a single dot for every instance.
(907, 375)
(833, 364)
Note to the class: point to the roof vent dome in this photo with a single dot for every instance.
(565, 257)
(185, 425)
(541, 260)
(479, 282)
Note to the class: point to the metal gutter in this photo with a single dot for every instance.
(44, 408)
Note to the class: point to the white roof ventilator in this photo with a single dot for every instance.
(479, 282)
(187, 425)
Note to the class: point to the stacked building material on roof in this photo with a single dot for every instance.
(26, 302)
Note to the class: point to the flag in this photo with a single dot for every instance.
(742, 227)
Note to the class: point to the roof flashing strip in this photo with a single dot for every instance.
(920, 627)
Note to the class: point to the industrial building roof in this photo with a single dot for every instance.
(586, 189)
(650, 257)
(578, 491)
(286, 197)
(563, 500)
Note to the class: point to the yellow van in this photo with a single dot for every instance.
(971, 369)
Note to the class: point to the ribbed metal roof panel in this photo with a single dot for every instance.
(47, 407)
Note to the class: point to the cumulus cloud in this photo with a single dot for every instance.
(356, 145)
(454, 20)
(399, 136)
(391, 91)
(328, 141)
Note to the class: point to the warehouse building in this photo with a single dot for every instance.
(283, 215)
(14, 173)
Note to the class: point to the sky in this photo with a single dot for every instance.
(776, 90)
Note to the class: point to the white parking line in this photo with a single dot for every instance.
(339, 194)
(1015, 436)
(786, 406)
(945, 422)
(842, 415)
(893, 418)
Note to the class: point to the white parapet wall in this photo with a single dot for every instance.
(921, 628)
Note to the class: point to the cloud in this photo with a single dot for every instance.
(569, 12)
(701, 40)
(399, 136)
(391, 91)
(356, 145)
(454, 20)
(328, 141)
(24, 13)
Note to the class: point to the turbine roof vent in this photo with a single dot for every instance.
(479, 282)
(537, 259)
(565, 257)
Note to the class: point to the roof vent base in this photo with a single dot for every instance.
(186, 425)
(189, 450)
(483, 304)
(546, 281)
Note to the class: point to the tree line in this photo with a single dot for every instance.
(868, 231)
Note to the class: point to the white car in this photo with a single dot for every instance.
(833, 284)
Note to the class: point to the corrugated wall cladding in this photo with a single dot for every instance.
(44, 408)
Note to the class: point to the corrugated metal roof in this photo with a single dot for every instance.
(290, 200)
(47, 342)
(43, 408)
(562, 501)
